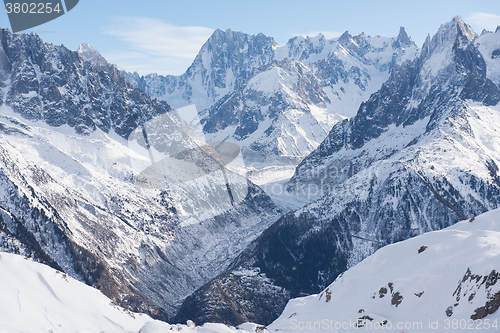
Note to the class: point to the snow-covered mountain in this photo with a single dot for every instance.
(443, 281)
(421, 154)
(83, 161)
(38, 298)
(489, 46)
(48, 83)
(278, 103)
(226, 61)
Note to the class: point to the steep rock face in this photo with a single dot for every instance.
(85, 186)
(225, 62)
(55, 85)
(420, 155)
(229, 289)
(272, 117)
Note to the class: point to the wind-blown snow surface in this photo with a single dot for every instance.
(37, 298)
(445, 279)
(489, 46)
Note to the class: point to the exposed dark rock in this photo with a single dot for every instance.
(205, 304)
(449, 311)
(55, 85)
(361, 321)
(490, 307)
(396, 299)
(471, 284)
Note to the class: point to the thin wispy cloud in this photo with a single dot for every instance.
(480, 21)
(152, 43)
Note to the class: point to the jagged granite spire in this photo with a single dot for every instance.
(88, 53)
(345, 38)
(455, 31)
(403, 40)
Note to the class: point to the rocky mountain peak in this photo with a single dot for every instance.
(228, 58)
(88, 53)
(62, 87)
(345, 38)
(464, 28)
(233, 38)
(403, 40)
(218, 33)
(484, 32)
(449, 34)
(302, 47)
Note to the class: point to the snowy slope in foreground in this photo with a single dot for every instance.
(37, 298)
(445, 278)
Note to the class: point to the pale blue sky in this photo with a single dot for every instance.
(163, 36)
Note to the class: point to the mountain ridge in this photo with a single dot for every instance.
(282, 107)
(429, 282)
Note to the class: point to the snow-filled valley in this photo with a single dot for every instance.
(313, 186)
(90, 184)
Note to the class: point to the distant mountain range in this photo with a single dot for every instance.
(278, 103)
